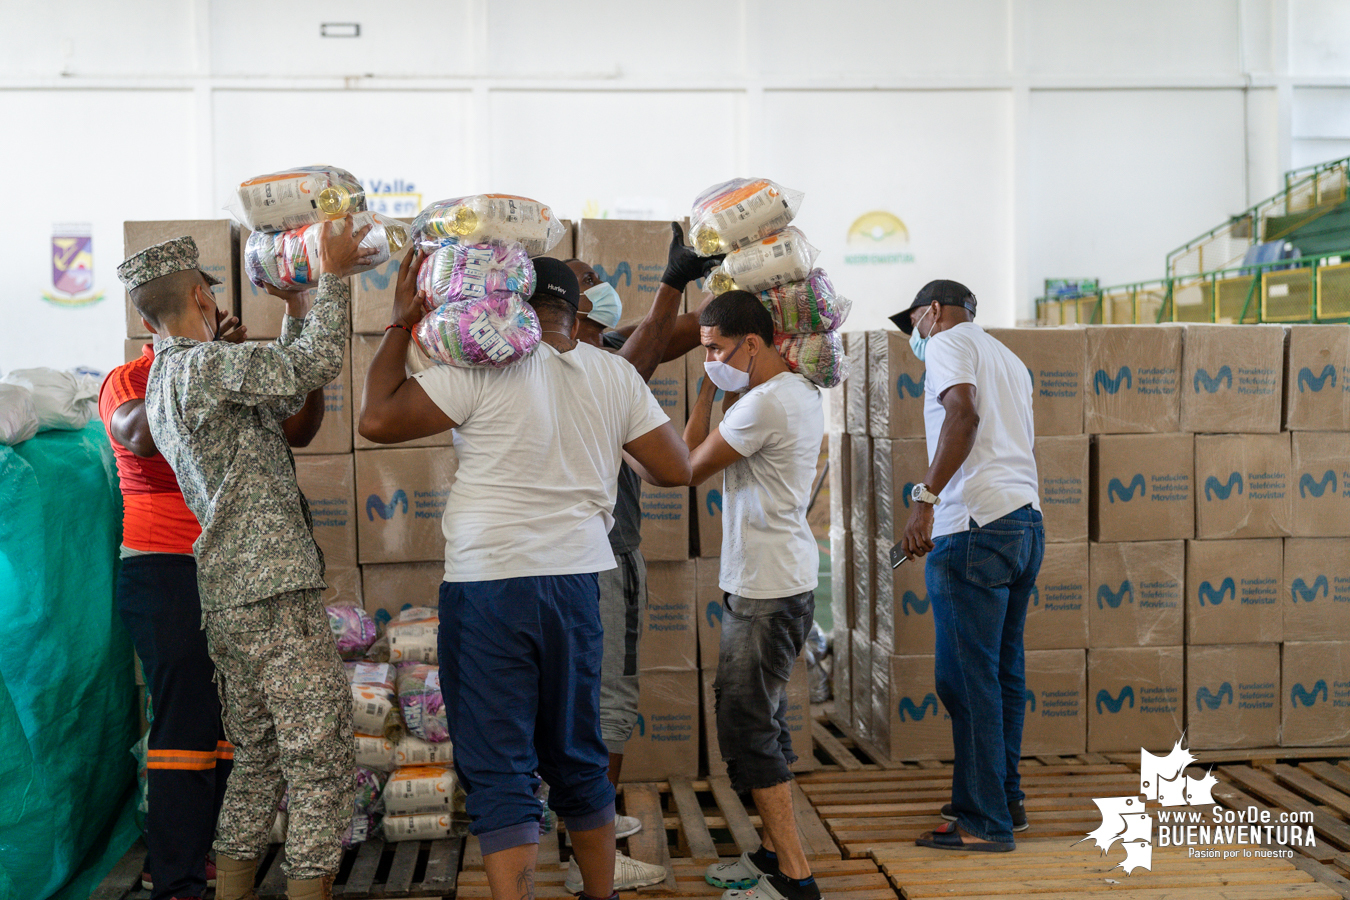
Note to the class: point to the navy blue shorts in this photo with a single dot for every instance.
(520, 672)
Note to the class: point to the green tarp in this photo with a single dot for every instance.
(67, 683)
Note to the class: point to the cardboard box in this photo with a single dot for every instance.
(1232, 379)
(1234, 692)
(133, 347)
(1233, 592)
(1056, 713)
(910, 610)
(335, 434)
(363, 352)
(896, 467)
(1132, 379)
(1136, 699)
(841, 676)
(860, 648)
(329, 485)
(836, 403)
(217, 253)
(1062, 467)
(1315, 693)
(920, 727)
(1317, 378)
(390, 588)
(1321, 470)
(707, 521)
(1057, 615)
(862, 498)
(630, 255)
(883, 600)
(881, 700)
(1316, 595)
(1242, 485)
(259, 311)
(665, 511)
(1136, 594)
(895, 378)
(669, 627)
(400, 496)
(1143, 487)
(708, 605)
(841, 579)
(343, 586)
(566, 248)
(373, 294)
(841, 479)
(797, 714)
(856, 409)
(1055, 359)
(864, 570)
(666, 739)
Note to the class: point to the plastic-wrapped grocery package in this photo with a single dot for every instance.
(420, 789)
(419, 694)
(375, 709)
(778, 259)
(353, 628)
(738, 212)
(374, 752)
(425, 827)
(458, 272)
(369, 784)
(412, 636)
(490, 333)
(359, 831)
(413, 751)
(296, 198)
(819, 357)
(18, 416)
(808, 306)
(61, 400)
(499, 218)
(290, 259)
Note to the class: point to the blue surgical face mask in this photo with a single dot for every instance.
(919, 344)
(606, 305)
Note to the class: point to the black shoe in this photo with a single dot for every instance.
(1016, 810)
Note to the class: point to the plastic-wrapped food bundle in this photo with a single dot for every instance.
(374, 702)
(468, 272)
(296, 198)
(424, 827)
(419, 694)
(353, 628)
(776, 260)
(18, 416)
(412, 636)
(420, 789)
(359, 831)
(374, 753)
(806, 307)
(369, 784)
(739, 212)
(413, 751)
(61, 400)
(498, 218)
(819, 357)
(490, 333)
(290, 259)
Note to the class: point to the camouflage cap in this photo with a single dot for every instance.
(177, 255)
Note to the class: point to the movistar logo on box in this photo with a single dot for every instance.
(1151, 699)
(1204, 697)
(912, 600)
(1317, 487)
(1144, 595)
(375, 505)
(1112, 598)
(1246, 591)
(1251, 381)
(1223, 490)
(1301, 590)
(1151, 380)
(1299, 695)
(915, 712)
(1311, 383)
(1115, 490)
(907, 386)
(1107, 703)
(1161, 488)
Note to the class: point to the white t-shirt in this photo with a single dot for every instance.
(999, 475)
(539, 444)
(767, 548)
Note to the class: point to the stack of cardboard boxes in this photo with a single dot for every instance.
(1197, 569)
(377, 509)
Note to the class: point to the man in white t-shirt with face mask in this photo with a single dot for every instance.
(976, 514)
(767, 447)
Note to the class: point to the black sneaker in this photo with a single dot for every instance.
(1016, 810)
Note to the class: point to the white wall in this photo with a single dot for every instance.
(1015, 139)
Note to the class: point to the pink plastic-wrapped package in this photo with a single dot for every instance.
(466, 272)
(353, 628)
(806, 307)
(493, 332)
(818, 357)
(419, 693)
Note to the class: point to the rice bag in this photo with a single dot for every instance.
(419, 695)
(61, 400)
(420, 789)
(412, 636)
(374, 752)
(353, 628)
(498, 218)
(413, 751)
(493, 332)
(296, 197)
(425, 827)
(290, 259)
(374, 700)
(458, 272)
(819, 357)
(738, 212)
(806, 307)
(18, 416)
(775, 260)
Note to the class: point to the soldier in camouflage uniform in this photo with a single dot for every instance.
(215, 412)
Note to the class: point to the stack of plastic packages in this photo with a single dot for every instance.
(33, 400)
(285, 212)
(477, 276)
(749, 219)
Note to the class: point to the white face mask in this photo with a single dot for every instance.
(728, 377)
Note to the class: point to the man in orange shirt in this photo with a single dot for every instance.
(189, 758)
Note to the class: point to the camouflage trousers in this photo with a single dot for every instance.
(288, 711)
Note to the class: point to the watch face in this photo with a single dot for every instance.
(917, 492)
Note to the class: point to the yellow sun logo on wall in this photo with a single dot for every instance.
(878, 238)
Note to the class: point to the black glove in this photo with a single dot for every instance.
(683, 265)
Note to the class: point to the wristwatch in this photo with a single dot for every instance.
(921, 494)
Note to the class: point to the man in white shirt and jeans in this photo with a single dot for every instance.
(539, 444)
(767, 446)
(977, 516)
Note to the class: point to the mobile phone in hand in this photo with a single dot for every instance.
(897, 556)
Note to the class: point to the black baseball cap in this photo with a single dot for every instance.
(948, 293)
(553, 278)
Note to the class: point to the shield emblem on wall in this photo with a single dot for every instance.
(72, 263)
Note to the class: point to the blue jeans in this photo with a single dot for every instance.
(979, 582)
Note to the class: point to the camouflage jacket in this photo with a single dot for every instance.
(216, 410)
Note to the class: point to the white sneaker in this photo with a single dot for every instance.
(626, 826)
(740, 874)
(629, 873)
